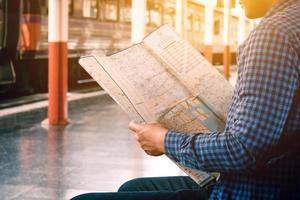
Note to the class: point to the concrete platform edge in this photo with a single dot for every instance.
(43, 104)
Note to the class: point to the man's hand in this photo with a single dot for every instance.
(151, 137)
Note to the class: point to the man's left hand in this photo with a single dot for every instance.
(151, 137)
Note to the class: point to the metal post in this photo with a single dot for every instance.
(209, 30)
(181, 17)
(226, 53)
(58, 62)
(179, 20)
(138, 23)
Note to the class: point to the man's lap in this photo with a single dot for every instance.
(160, 188)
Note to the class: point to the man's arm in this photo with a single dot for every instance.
(267, 82)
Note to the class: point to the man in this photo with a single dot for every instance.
(258, 153)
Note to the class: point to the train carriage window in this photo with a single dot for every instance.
(111, 10)
(147, 16)
(154, 13)
(190, 17)
(44, 7)
(148, 11)
(220, 3)
(31, 7)
(125, 11)
(90, 8)
(77, 8)
(169, 16)
(218, 22)
(232, 3)
(189, 26)
(195, 15)
(217, 27)
(197, 23)
(70, 4)
(101, 6)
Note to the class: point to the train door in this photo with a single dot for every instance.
(10, 12)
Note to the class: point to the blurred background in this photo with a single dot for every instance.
(106, 26)
(87, 146)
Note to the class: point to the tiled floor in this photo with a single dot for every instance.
(96, 152)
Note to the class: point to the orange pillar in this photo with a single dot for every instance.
(226, 61)
(226, 39)
(208, 31)
(208, 53)
(58, 62)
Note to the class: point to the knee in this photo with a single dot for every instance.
(132, 185)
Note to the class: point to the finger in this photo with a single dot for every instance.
(136, 136)
(134, 126)
(147, 152)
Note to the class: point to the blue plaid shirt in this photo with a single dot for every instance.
(258, 153)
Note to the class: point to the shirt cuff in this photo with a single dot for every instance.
(173, 141)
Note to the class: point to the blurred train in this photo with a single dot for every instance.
(102, 26)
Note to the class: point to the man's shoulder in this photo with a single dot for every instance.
(286, 21)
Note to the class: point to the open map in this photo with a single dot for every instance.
(165, 79)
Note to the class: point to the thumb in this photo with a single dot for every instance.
(134, 126)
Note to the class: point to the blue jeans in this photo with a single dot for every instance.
(160, 188)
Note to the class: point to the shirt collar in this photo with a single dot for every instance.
(279, 6)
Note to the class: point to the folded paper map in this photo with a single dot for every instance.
(165, 79)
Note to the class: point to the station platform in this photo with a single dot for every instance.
(95, 152)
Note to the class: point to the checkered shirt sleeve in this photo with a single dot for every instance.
(268, 78)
